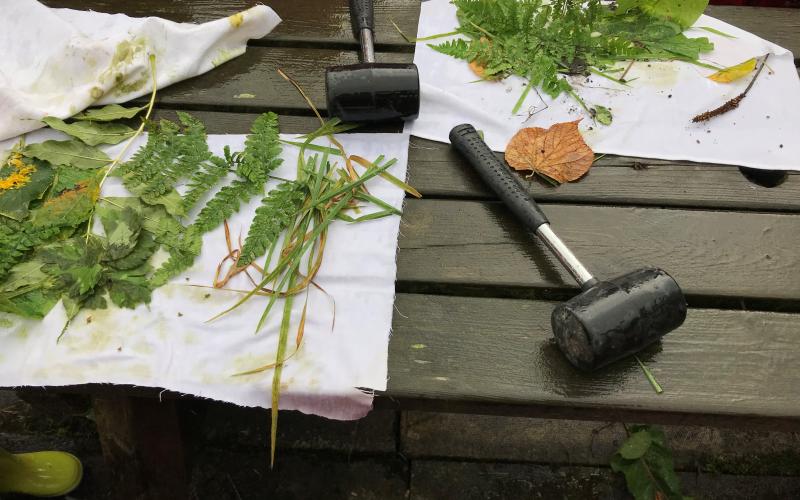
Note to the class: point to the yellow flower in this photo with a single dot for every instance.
(18, 177)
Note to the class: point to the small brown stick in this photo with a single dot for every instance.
(733, 103)
(622, 78)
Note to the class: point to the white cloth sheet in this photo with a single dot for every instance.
(652, 117)
(169, 344)
(57, 62)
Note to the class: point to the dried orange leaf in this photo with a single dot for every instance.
(734, 73)
(558, 152)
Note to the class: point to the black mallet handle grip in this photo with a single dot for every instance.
(467, 142)
(497, 175)
(361, 15)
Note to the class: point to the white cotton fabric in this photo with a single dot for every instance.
(652, 117)
(168, 344)
(57, 62)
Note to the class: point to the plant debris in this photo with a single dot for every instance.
(559, 152)
(734, 73)
(646, 462)
(544, 41)
(732, 103)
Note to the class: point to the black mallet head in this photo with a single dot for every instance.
(616, 318)
(373, 92)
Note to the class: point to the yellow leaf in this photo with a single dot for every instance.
(734, 73)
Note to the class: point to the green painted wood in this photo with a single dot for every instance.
(437, 171)
(500, 352)
(325, 21)
(718, 254)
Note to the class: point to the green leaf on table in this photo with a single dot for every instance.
(122, 227)
(92, 133)
(683, 12)
(72, 152)
(70, 178)
(141, 253)
(636, 445)
(22, 182)
(130, 288)
(603, 115)
(70, 207)
(646, 462)
(108, 113)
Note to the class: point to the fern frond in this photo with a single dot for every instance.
(203, 180)
(224, 204)
(262, 149)
(276, 212)
(17, 240)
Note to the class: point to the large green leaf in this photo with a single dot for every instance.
(71, 207)
(108, 113)
(683, 12)
(14, 202)
(636, 445)
(92, 133)
(72, 152)
(122, 231)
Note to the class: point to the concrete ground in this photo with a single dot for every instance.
(414, 455)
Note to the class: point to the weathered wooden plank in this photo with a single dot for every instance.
(551, 441)
(434, 479)
(326, 21)
(436, 170)
(720, 254)
(142, 446)
(500, 352)
(320, 21)
(255, 74)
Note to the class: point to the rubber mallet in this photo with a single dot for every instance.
(370, 91)
(610, 319)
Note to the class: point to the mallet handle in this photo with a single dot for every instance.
(468, 142)
(363, 20)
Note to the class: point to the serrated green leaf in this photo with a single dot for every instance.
(129, 288)
(92, 133)
(276, 212)
(72, 152)
(122, 229)
(636, 445)
(33, 304)
(82, 278)
(141, 253)
(108, 113)
(15, 201)
(637, 479)
(69, 178)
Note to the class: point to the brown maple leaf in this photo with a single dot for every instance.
(558, 152)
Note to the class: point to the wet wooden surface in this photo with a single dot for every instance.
(471, 331)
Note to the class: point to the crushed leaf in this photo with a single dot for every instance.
(558, 152)
(734, 73)
(19, 176)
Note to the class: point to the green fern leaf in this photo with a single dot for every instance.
(203, 180)
(262, 149)
(276, 212)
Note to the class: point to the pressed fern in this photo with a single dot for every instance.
(276, 212)
(543, 41)
(204, 179)
(262, 150)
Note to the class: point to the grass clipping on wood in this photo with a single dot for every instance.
(558, 153)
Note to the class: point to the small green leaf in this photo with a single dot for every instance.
(73, 153)
(108, 113)
(637, 479)
(71, 207)
(129, 288)
(90, 132)
(683, 12)
(636, 445)
(603, 115)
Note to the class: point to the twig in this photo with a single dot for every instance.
(622, 77)
(650, 378)
(733, 103)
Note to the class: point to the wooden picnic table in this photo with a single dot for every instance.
(474, 293)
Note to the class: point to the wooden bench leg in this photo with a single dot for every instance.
(141, 443)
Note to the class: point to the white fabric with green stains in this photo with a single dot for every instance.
(57, 62)
(651, 117)
(170, 344)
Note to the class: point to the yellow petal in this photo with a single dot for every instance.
(733, 73)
